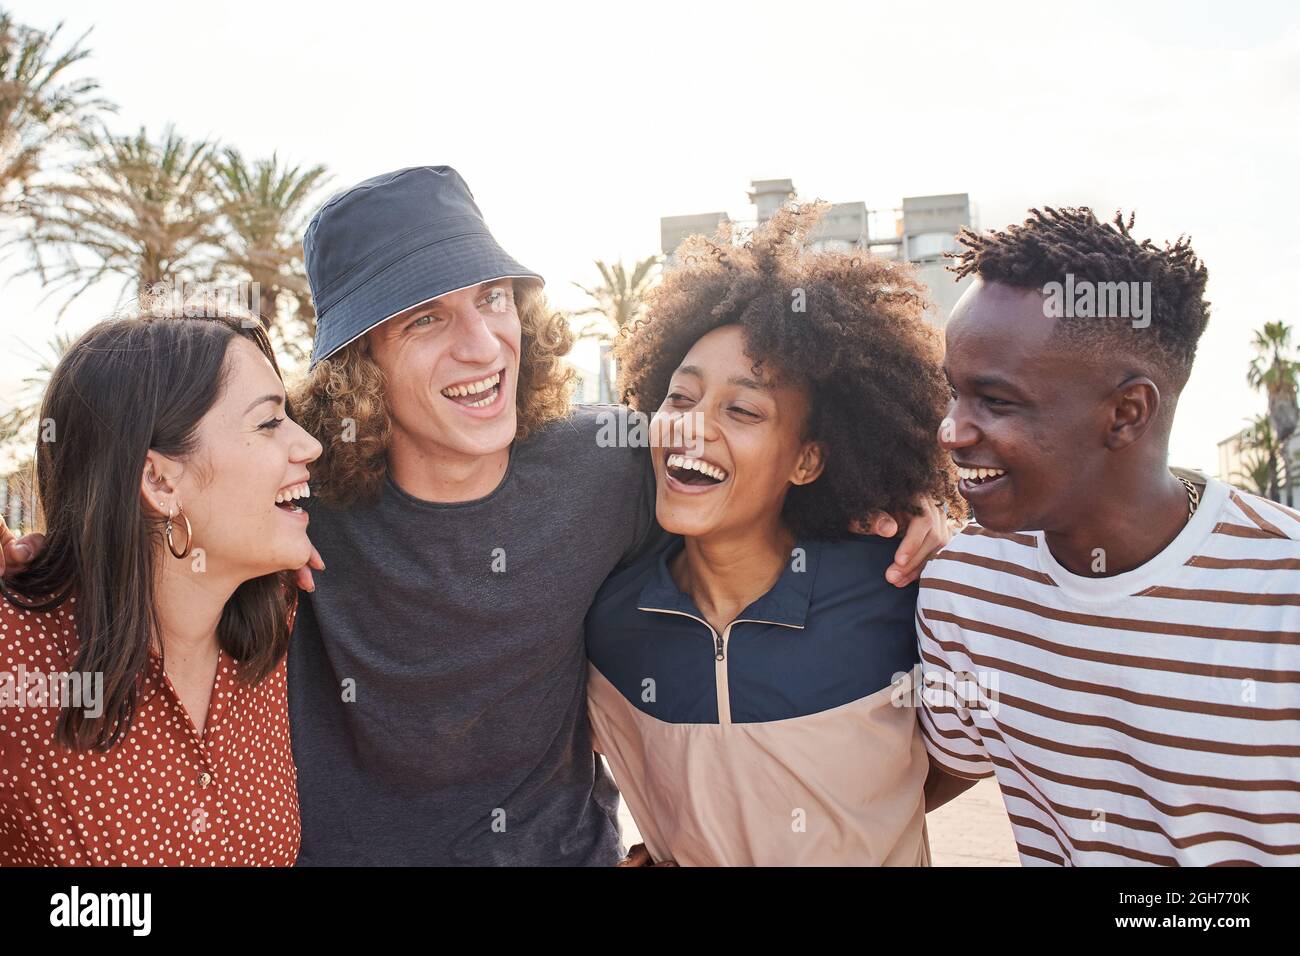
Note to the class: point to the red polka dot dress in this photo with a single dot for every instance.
(164, 795)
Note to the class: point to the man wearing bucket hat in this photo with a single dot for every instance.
(467, 516)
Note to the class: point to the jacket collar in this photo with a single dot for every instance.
(785, 604)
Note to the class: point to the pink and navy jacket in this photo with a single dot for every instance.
(777, 741)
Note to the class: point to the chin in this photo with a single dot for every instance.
(288, 555)
(1002, 522)
(990, 522)
(676, 521)
(683, 528)
(489, 438)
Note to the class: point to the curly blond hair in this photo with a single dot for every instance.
(342, 403)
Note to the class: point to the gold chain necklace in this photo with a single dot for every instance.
(1193, 496)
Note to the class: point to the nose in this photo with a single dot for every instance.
(475, 342)
(688, 430)
(702, 429)
(673, 429)
(304, 448)
(957, 430)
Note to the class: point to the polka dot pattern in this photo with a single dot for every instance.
(164, 795)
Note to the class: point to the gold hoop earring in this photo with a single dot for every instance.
(189, 535)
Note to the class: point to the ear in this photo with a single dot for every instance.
(158, 490)
(812, 461)
(1133, 407)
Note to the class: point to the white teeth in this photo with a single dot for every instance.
(473, 388)
(292, 494)
(697, 464)
(979, 474)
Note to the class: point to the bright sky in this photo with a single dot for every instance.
(579, 124)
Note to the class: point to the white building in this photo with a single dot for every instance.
(1234, 462)
(920, 231)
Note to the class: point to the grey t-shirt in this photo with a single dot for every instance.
(437, 676)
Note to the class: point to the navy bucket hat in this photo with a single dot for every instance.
(393, 242)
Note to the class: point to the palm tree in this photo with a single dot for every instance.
(1267, 463)
(266, 204)
(619, 301)
(144, 209)
(18, 426)
(620, 296)
(1256, 476)
(40, 106)
(1276, 374)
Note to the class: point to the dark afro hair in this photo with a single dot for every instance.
(861, 346)
(1055, 242)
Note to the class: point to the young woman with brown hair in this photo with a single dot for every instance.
(143, 714)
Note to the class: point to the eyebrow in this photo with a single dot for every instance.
(420, 310)
(739, 380)
(993, 381)
(276, 399)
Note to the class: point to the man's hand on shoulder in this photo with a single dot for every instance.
(927, 533)
(17, 554)
(303, 575)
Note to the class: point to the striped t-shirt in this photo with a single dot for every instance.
(1150, 717)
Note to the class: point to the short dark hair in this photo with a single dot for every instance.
(862, 347)
(1052, 243)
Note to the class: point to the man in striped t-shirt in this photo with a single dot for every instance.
(1118, 644)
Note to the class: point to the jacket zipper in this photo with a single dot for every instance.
(721, 684)
(719, 662)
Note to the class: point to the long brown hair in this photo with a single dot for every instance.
(125, 387)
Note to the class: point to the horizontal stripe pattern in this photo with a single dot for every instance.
(1149, 718)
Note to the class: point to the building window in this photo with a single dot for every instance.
(930, 245)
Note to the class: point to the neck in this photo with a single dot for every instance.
(724, 573)
(1130, 521)
(189, 608)
(439, 475)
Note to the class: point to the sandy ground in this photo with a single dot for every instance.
(972, 830)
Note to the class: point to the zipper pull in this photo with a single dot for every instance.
(719, 653)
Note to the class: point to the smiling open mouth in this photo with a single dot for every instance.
(479, 394)
(694, 471)
(286, 498)
(979, 476)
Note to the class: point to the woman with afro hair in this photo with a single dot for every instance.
(744, 680)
